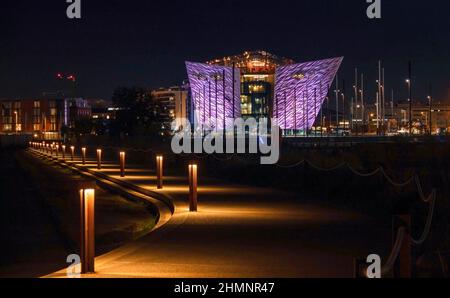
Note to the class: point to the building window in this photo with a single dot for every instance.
(36, 116)
(53, 115)
(7, 118)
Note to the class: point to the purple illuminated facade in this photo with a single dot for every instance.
(215, 94)
(300, 90)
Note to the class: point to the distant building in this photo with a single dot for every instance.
(44, 118)
(396, 117)
(101, 109)
(171, 105)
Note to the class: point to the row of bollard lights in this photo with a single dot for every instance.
(58, 150)
(87, 195)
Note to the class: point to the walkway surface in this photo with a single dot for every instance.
(240, 232)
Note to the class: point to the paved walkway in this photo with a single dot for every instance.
(241, 231)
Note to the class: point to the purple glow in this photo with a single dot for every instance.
(300, 91)
(208, 85)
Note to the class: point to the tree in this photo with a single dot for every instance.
(135, 111)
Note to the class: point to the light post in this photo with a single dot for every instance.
(193, 180)
(83, 155)
(408, 82)
(430, 101)
(16, 120)
(87, 230)
(363, 115)
(63, 148)
(57, 150)
(99, 159)
(159, 171)
(122, 164)
(72, 152)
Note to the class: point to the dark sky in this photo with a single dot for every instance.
(137, 42)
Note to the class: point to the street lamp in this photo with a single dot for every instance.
(159, 171)
(87, 229)
(408, 82)
(99, 159)
(193, 171)
(72, 152)
(83, 155)
(63, 149)
(430, 101)
(16, 120)
(122, 164)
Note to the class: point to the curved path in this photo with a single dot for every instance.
(238, 232)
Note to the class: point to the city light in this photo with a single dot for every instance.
(87, 230)
(159, 171)
(72, 153)
(83, 155)
(193, 181)
(99, 159)
(122, 164)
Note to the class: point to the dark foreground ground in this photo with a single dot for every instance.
(37, 227)
(31, 244)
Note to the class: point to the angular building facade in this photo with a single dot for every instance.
(215, 95)
(261, 85)
(300, 90)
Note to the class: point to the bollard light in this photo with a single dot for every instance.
(57, 151)
(51, 150)
(83, 155)
(159, 172)
(193, 171)
(87, 230)
(99, 159)
(122, 164)
(63, 149)
(72, 152)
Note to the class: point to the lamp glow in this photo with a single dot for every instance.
(87, 230)
(83, 155)
(159, 171)
(99, 159)
(193, 180)
(122, 164)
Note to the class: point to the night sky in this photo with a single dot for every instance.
(145, 43)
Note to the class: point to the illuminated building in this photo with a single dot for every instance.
(257, 71)
(270, 87)
(214, 94)
(171, 105)
(44, 117)
(300, 91)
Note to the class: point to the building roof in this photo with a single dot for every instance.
(253, 62)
